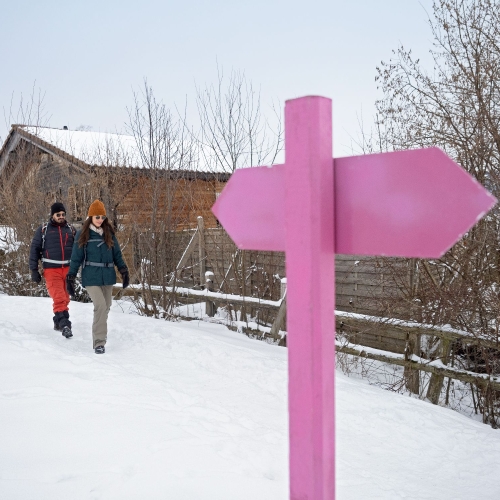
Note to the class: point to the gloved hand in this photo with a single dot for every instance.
(35, 276)
(70, 284)
(125, 277)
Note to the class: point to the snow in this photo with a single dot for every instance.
(8, 241)
(191, 410)
(105, 148)
(190, 292)
(95, 148)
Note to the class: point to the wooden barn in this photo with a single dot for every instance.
(148, 188)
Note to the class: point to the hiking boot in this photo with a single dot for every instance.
(66, 331)
(100, 349)
(61, 320)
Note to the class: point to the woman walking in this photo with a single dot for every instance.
(97, 250)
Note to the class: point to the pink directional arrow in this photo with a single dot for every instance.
(414, 203)
(410, 203)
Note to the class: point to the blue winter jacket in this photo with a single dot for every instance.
(96, 251)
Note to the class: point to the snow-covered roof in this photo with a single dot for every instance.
(111, 149)
(93, 148)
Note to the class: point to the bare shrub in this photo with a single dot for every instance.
(455, 107)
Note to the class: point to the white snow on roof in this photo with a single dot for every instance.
(104, 148)
(94, 148)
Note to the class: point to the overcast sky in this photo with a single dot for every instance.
(87, 56)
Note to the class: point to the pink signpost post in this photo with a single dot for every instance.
(410, 204)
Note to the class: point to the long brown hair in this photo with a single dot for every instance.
(85, 234)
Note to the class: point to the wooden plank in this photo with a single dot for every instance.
(358, 269)
(383, 325)
(437, 380)
(185, 256)
(372, 334)
(369, 279)
(376, 342)
(279, 322)
(463, 375)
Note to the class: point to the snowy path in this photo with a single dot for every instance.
(190, 411)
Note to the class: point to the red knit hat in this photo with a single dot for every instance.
(97, 208)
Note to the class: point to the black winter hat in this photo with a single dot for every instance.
(56, 208)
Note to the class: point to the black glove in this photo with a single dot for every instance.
(125, 277)
(70, 284)
(35, 276)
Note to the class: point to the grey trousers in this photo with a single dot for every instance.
(101, 297)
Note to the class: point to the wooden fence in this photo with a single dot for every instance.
(210, 268)
(208, 259)
(361, 284)
(404, 347)
(363, 335)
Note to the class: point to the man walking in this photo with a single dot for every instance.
(52, 244)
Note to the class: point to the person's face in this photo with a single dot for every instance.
(59, 217)
(97, 220)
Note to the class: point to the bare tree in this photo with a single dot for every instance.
(233, 130)
(28, 111)
(22, 206)
(169, 159)
(456, 106)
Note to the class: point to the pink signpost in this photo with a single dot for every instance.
(411, 204)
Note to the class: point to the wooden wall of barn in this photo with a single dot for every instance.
(174, 204)
(147, 207)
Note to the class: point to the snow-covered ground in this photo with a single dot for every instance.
(191, 411)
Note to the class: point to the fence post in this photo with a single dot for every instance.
(280, 323)
(283, 288)
(210, 308)
(201, 236)
(412, 377)
(436, 381)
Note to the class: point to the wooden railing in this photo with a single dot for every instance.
(401, 338)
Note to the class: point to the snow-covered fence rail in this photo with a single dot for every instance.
(363, 335)
(436, 367)
(229, 301)
(362, 329)
(416, 347)
(203, 295)
(367, 330)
